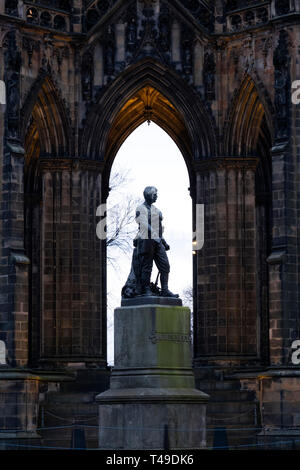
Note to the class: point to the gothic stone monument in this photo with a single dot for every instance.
(152, 389)
(79, 76)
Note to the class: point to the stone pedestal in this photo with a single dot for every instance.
(152, 395)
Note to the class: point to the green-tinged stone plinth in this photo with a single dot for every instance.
(152, 391)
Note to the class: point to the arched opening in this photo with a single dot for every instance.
(251, 134)
(46, 135)
(148, 157)
(153, 104)
(68, 269)
(244, 292)
(148, 92)
(196, 137)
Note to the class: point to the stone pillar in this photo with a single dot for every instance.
(71, 312)
(14, 263)
(284, 259)
(283, 262)
(152, 383)
(226, 318)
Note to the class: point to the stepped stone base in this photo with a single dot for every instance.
(152, 398)
(137, 419)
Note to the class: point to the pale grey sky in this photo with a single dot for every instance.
(153, 159)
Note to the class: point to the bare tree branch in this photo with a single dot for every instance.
(187, 297)
(121, 225)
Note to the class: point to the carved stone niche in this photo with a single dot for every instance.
(87, 68)
(12, 80)
(209, 70)
(187, 51)
(95, 11)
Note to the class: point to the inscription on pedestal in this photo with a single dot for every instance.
(176, 337)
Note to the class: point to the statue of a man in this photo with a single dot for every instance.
(150, 244)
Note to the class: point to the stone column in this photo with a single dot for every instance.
(226, 318)
(71, 310)
(14, 262)
(176, 32)
(284, 259)
(283, 262)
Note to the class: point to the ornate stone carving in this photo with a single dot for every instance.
(282, 7)
(87, 76)
(164, 29)
(281, 62)
(131, 31)
(30, 46)
(149, 31)
(47, 60)
(266, 44)
(12, 80)
(109, 51)
(209, 70)
(187, 58)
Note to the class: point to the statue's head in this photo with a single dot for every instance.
(150, 194)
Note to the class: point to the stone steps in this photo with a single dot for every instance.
(229, 407)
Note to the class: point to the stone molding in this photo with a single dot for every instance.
(226, 163)
(59, 164)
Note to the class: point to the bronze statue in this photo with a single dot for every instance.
(149, 246)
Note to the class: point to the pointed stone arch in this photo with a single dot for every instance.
(249, 133)
(45, 127)
(248, 119)
(181, 113)
(46, 136)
